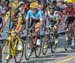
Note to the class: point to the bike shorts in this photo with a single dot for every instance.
(69, 20)
(33, 21)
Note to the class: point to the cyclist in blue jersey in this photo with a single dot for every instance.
(35, 15)
(37, 20)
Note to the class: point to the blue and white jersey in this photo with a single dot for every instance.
(38, 14)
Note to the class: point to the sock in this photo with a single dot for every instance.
(72, 44)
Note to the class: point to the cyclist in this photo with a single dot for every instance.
(54, 20)
(69, 20)
(36, 17)
(12, 14)
(15, 17)
(26, 7)
(35, 14)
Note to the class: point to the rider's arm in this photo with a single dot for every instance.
(27, 18)
(18, 28)
(28, 15)
(6, 17)
(41, 20)
(56, 17)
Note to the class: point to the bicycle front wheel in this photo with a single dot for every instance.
(28, 48)
(38, 47)
(5, 51)
(45, 44)
(19, 51)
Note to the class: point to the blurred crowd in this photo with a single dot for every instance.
(5, 5)
(43, 4)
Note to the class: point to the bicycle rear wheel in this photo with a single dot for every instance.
(28, 48)
(68, 41)
(45, 43)
(19, 51)
(38, 47)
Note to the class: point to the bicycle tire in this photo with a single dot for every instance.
(5, 51)
(44, 50)
(21, 52)
(38, 49)
(27, 48)
(66, 43)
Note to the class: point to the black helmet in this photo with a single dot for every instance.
(54, 2)
(51, 7)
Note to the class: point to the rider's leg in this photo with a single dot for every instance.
(72, 34)
(71, 26)
(56, 37)
(68, 30)
(38, 27)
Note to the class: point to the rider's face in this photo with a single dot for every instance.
(51, 11)
(41, 6)
(34, 10)
(13, 13)
(69, 8)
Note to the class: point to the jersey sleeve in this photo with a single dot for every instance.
(7, 15)
(28, 14)
(40, 15)
(20, 16)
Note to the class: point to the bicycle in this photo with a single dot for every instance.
(68, 35)
(32, 44)
(45, 42)
(13, 47)
(49, 40)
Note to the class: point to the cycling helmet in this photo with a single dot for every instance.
(54, 2)
(34, 5)
(15, 4)
(51, 6)
(21, 3)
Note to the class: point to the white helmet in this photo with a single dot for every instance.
(21, 2)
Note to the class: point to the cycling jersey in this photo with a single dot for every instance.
(26, 7)
(69, 13)
(7, 15)
(53, 18)
(14, 19)
(37, 15)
